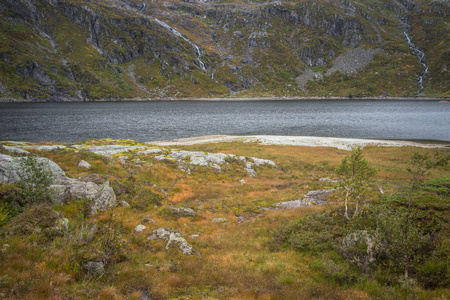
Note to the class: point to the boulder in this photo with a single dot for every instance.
(124, 204)
(147, 220)
(219, 220)
(173, 239)
(84, 164)
(181, 211)
(63, 188)
(318, 197)
(140, 228)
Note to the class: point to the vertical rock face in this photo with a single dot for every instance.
(204, 48)
(102, 196)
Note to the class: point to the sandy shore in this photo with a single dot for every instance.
(309, 141)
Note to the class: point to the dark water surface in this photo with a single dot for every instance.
(151, 121)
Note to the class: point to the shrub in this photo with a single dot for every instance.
(40, 220)
(34, 188)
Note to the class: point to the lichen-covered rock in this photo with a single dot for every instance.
(140, 228)
(63, 188)
(181, 211)
(148, 220)
(84, 164)
(109, 150)
(219, 220)
(11, 170)
(318, 197)
(173, 239)
(213, 160)
(124, 204)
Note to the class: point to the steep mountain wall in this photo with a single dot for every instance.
(91, 49)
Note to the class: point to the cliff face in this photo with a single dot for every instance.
(79, 50)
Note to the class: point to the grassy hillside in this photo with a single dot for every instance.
(257, 254)
(83, 50)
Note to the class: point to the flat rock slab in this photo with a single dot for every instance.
(318, 197)
(109, 150)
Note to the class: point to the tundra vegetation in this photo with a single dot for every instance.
(255, 251)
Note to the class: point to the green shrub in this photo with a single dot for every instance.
(34, 188)
(440, 186)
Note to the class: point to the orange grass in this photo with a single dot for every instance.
(235, 261)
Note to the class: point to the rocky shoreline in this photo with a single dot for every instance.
(307, 141)
(287, 98)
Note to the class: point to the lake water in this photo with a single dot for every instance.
(151, 121)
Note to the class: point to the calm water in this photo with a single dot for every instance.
(151, 121)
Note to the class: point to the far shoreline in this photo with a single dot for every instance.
(225, 99)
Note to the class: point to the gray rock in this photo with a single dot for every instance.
(140, 228)
(324, 179)
(63, 188)
(66, 224)
(181, 211)
(11, 170)
(45, 147)
(213, 160)
(16, 150)
(173, 239)
(149, 151)
(318, 197)
(84, 164)
(5, 248)
(250, 172)
(109, 150)
(147, 220)
(124, 204)
(219, 220)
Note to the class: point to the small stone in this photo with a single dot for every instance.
(5, 248)
(242, 181)
(140, 228)
(66, 224)
(84, 164)
(173, 239)
(194, 236)
(220, 220)
(181, 211)
(324, 179)
(124, 204)
(148, 220)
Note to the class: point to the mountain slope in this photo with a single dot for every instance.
(81, 50)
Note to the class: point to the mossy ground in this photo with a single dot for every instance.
(237, 260)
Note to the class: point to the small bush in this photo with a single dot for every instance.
(440, 186)
(34, 188)
(40, 220)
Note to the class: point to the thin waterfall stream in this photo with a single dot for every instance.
(421, 56)
(197, 51)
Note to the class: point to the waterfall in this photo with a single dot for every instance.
(197, 51)
(420, 55)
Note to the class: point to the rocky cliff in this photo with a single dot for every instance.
(113, 49)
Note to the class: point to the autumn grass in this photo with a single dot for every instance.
(236, 260)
